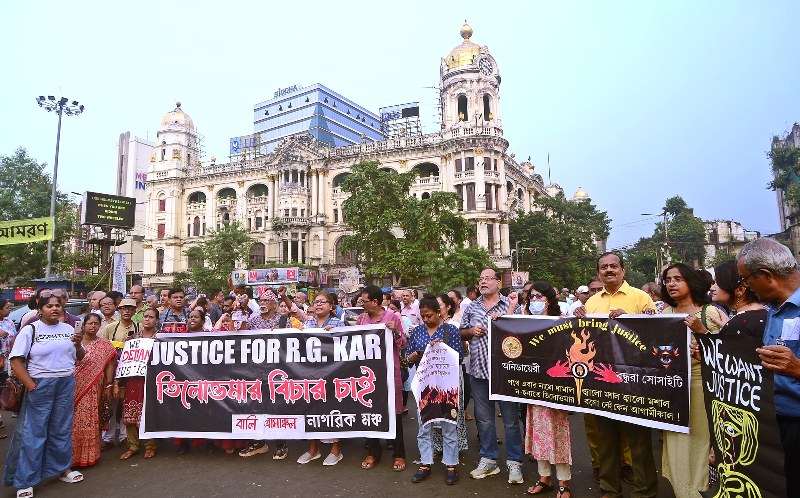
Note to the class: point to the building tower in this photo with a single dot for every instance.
(470, 85)
(176, 150)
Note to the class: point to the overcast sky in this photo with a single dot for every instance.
(634, 101)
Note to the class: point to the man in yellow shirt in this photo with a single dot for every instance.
(618, 298)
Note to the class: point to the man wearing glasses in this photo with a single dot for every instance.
(474, 325)
(770, 270)
(137, 294)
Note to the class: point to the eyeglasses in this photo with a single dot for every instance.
(743, 279)
(486, 279)
(322, 301)
(51, 293)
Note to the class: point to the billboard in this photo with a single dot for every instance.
(108, 210)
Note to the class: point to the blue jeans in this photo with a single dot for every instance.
(449, 446)
(42, 442)
(485, 419)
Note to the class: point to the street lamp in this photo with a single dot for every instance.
(60, 106)
(666, 232)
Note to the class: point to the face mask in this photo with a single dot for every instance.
(536, 307)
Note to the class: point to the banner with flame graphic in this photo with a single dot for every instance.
(634, 368)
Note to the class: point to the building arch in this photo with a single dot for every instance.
(258, 190)
(426, 169)
(341, 257)
(197, 197)
(226, 193)
(339, 179)
(258, 255)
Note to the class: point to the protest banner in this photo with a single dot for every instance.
(634, 368)
(134, 358)
(435, 384)
(738, 392)
(281, 384)
(24, 231)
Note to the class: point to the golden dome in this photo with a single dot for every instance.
(463, 54)
(177, 118)
(580, 194)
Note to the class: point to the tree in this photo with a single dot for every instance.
(685, 239)
(786, 167)
(25, 190)
(219, 255)
(558, 240)
(408, 238)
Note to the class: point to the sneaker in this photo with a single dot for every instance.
(254, 449)
(307, 457)
(515, 473)
(485, 468)
(281, 452)
(332, 459)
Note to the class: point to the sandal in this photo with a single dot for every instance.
(423, 473)
(128, 454)
(149, 453)
(369, 462)
(399, 464)
(25, 493)
(545, 488)
(562, 490)
(72, 476)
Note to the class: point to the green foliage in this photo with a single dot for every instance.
(220, 254)
(558, 241)
(786, 167)
(431, 238)
(686, 239)
(25, 190)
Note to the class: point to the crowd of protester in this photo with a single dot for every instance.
(75, 408)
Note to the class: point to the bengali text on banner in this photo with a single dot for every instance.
(281, 384)
(634, 368)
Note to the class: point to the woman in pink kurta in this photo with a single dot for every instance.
(547, 436)
(374, 313)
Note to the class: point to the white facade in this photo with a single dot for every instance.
(133, 156)
(290, 199)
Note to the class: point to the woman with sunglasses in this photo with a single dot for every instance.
(322, 316)
(547, 435)
(684, 460)
(749, 316)
(93, 376)
(42, 445)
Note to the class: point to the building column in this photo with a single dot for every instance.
(505, 248)
(321, 193)
(480, 181)
(501, 173)
(498, 238)
(483, 239)
(314, 190)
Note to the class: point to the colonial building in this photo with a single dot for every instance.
(726, 237)
(291, 201)
(789, 215)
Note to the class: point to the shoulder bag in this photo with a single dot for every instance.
(13, 390)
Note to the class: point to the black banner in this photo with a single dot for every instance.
(634, 368)
(282, 384)
(748, 455)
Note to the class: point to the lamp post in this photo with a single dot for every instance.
(60, 106)
(666, 233)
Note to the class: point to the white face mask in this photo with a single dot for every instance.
(536, 307)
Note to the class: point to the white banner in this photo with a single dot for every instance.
(435, 384)
(120, 276)
(134, 358)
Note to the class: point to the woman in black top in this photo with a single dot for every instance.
(749, 316)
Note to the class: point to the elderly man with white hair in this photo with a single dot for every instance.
(770, 270)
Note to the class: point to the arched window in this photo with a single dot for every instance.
(257, 255)
(343, 258)
(226, 193)
(162, 203)
(463, 115)
(426, 195)
(197, 197)
(258, 190)
(487, 111)
(259, 220)
(160, 261)
(196, 226)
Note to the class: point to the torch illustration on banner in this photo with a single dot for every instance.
(581, 358)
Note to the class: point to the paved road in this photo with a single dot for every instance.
(200, 474)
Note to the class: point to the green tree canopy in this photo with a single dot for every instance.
(416, 241)
(786, 167)
(685, 239)
(558, 240)
(25, 190)
(219, 255)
